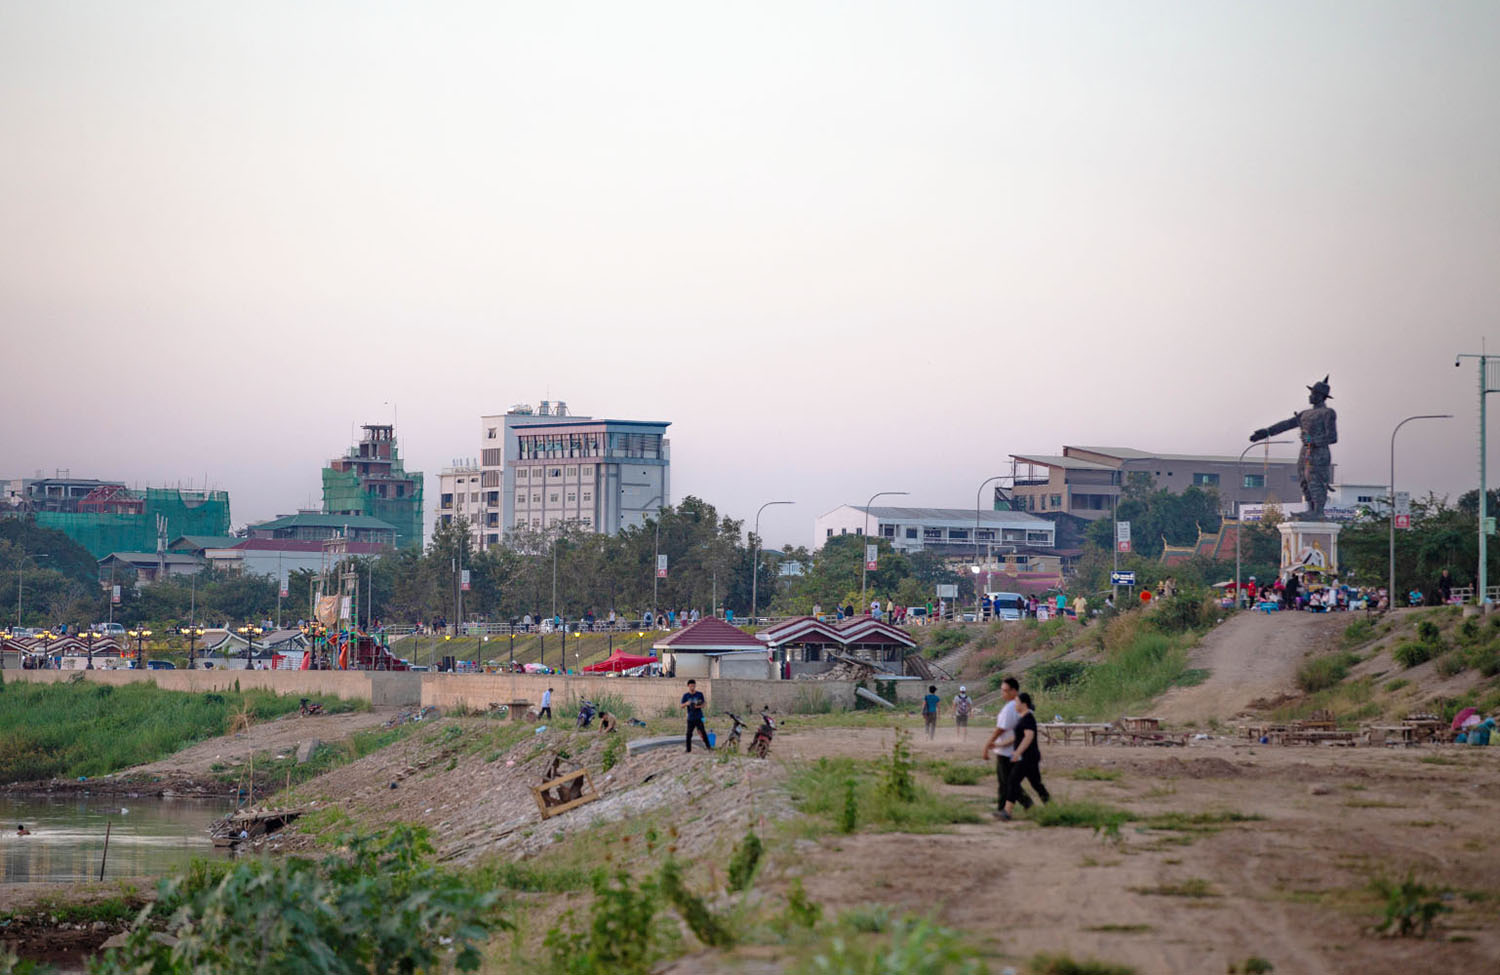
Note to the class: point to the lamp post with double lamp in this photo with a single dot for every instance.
(1390, 592)
(1239, 525)
(140, 637)
(46, 636)
(193, 633)
(755, 556)
(89, 637)
(978, 494)
(864, 562)
(249, 632)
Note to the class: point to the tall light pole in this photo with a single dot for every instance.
(193, 633)
(978, 611)
(1239, 526)
(655, 551)
(1487, 385)
(755, 555)
(1390, 592)
(864, 562)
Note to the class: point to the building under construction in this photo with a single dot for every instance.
(371, 480)
(106, 516)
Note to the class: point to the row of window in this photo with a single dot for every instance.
(536, 497)
(939, 534)
(587, 469)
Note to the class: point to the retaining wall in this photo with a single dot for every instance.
(648, 696)
(381, 689)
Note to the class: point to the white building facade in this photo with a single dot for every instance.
(462, 495)
(946, 530)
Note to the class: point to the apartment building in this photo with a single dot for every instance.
(462, 495)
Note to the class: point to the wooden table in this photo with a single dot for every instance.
(1069, 733)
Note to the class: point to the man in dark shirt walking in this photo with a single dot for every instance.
(692, 703)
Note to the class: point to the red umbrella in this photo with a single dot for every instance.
(1458, 722)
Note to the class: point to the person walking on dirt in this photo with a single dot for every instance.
(1001, 746)
(1026, 763)
(930, 709)
(546, 711)
(962, 705)
(692, 703)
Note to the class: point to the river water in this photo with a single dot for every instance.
(148, 837)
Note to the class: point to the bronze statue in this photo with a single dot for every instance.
(1320, 429)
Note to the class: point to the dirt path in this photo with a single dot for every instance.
(1253, 656)
(1290, 886)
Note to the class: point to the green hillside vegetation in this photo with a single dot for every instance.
(85, 729)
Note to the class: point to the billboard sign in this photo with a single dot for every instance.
(661, 567)
(872, 557)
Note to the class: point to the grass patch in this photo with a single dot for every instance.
(1196, 888)
(821, 789)
(1370, 804)
(1145, 664)
(1067, 965)
(273, 773)
(1321, 673)
(956, 773)
(1203, 821)
(86, 729)
(1392, 686)
(1083, 814)
(1120, 928)
(1091, 774)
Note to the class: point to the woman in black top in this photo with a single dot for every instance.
(1026, 764)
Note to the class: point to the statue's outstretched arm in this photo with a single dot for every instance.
(1273, 429)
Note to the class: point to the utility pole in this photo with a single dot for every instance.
(865, 563)
(755, 557)
(1487, 385)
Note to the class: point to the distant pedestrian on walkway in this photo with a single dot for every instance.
(692, 703)
(930, 710)
(1026, 763)
(963, 704)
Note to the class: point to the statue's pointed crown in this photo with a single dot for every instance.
(1321, 387)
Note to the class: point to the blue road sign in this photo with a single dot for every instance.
(1122, 578)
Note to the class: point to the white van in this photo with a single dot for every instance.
(111, 630)
(1006, 605)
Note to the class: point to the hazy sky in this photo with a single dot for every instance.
(843, 247)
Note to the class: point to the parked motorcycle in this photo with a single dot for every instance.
(760, 745)
(586, 713)
(309, 708)
(731, 742)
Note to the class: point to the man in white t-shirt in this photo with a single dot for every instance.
(1002, 742)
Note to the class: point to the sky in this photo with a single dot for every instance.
(844, 248)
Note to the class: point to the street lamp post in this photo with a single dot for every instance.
(88, 638)
(47, 636)
(978, 611)
(1239, 526)
(249, 632)
(864, 562)
(192, 633)
(1390, 592)
(755, 556)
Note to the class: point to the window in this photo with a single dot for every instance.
(536, 496)
(552, 497)
(985, 535)
(860, 530)
(1057, 501)
(572, 472)
(830, 533)
(588, 470)
(958, 534)
(1255, 481)
(1038, 538)
(843, 531)
(1365, 499)
(520, 473)
(520, 497)
(588, 496)
(572, 497)
(447, 519)
(932, 534)
(489, 434)
(1205, 480)
(887, 531)
(911, 533)
(491, 520)
(447, 501)
(554, 472)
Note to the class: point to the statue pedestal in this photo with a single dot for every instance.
(1309, 546)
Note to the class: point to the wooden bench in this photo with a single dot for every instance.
(1068, 733)
(556, 796)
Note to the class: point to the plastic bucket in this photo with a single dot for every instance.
(713, 740)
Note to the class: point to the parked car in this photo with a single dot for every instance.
(159, 665)
(1007, 605)
(111, 630)
(916, 612)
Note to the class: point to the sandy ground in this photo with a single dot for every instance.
(1290, 888)
(1252, 657)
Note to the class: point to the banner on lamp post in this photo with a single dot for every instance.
(661, 567)
(463, 580)
(872, 557)
(114, 595)
(1122, 536)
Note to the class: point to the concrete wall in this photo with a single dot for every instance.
(649, 696)
(793, 696)
(382, 689)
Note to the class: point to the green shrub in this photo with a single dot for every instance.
(614, 750)
(1080, 814)
(946, 639)
(1053, 674)
(900, 784)
(1451, 664)
(379, 905)
(1182, 613)
(1360, 631)
(1410, 907)
(1321, 673)
(707, 926)
(801, 910)
(744, 861)
(1392, 686)
(954, 773)
(1065, 965)
(908, 947)
(849, 815)
(1411, 653)
(1427, 632)
(619, 937)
